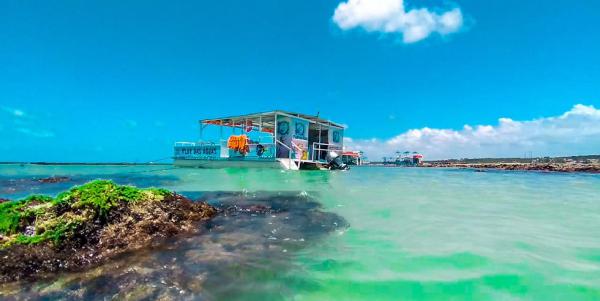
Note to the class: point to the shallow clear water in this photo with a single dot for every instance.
(396, 234)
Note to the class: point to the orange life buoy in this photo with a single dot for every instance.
(238, 143)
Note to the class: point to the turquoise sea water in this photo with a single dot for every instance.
(409, 234)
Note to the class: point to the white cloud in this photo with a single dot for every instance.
(25, 124)
(575, 132)
(391, 16)
(14, 112)
(38, 133)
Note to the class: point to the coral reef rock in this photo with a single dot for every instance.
(87, 225)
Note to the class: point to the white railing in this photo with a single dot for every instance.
(194, 143)
(185, 144)
(290, 160)
(298, 148)
(319, 147)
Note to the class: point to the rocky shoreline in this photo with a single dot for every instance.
(547, 167)
(88, 225)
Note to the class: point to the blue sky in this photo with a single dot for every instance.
(122, 80)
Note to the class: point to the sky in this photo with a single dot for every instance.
(102, 81)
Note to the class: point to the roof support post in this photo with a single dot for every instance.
(259, 127)
(275, 135)
(319, 145)
(220, 130)
(201, 130)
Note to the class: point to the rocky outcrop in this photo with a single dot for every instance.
(550, 167)
(55, 179)
(87, 225)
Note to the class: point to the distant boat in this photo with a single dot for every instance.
(276, 139)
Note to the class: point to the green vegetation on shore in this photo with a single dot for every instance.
(37, 218)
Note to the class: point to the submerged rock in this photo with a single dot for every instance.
(54, 179)
(87, 225)
(237, 254)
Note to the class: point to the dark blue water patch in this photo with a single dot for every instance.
(245, 253)
(19, 187)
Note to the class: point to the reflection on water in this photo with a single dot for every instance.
(252, 239)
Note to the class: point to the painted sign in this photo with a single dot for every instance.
(208, 151)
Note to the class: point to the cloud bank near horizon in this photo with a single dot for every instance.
(391, 16)
(576, 132)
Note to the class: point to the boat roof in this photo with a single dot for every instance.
(267, 118)
(355, 154)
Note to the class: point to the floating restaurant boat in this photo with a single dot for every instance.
(276, 139)
(352, 157)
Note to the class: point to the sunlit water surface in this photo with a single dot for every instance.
(364, 234)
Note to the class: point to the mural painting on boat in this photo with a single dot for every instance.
(300, 127)
(336, 136)
(283, 128)
(292, 130)
(255, 151)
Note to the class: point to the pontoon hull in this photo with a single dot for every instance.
(227, 163)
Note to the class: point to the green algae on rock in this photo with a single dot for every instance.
(88, 224)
